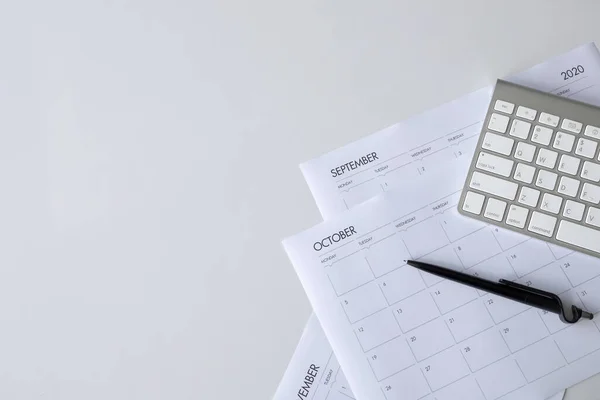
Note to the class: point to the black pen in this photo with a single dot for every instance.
(514, 291)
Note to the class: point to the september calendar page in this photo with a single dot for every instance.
(360, 170)
(399, 333)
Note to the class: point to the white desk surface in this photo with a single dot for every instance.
(148, 165)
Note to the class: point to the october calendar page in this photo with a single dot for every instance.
(403, 334)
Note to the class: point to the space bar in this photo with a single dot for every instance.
(578, 235)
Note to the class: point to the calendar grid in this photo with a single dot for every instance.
(479, 386)
(516, 315)
(466, 362)
(416, 327)
(582, 302)
(561, 352)
(389, 376)
(543, 376)
(351, 290)
(595, 351)
(381, 279)
(523, 385)
(448, 384)
(365, 317)
(487, 365)
(428, 384)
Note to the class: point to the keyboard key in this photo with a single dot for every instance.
(542, 224)
(473, 202)
(593, 217)
(498, 123)
(495, 209)
(492, 185)
(525, 151)
(571, 126)
(592, 131)
(497, 143)
(549, 119)
(551, 203)
(591, 171)
(524, 173)
(568, 186)
(564, 141)
(546, 179)
(542, 135)
(586, 148)
(573, 210)
(590, 193)
(517, 216)
(569, 164)
(504, 106)
(578, 235)
(527, 113)
(520, 129)
(494, 164)
(546, 158)
(529, 196)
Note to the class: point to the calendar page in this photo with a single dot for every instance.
(400, 333)
(448, 125)
(407, 150)
(314, 372)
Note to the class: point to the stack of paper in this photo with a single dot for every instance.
(401, 334)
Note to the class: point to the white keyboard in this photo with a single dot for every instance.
(536, 168)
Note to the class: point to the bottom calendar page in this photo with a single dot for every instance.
(314, 372)
(399, 333)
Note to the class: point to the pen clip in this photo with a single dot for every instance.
(528, 289)
(577, 312)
